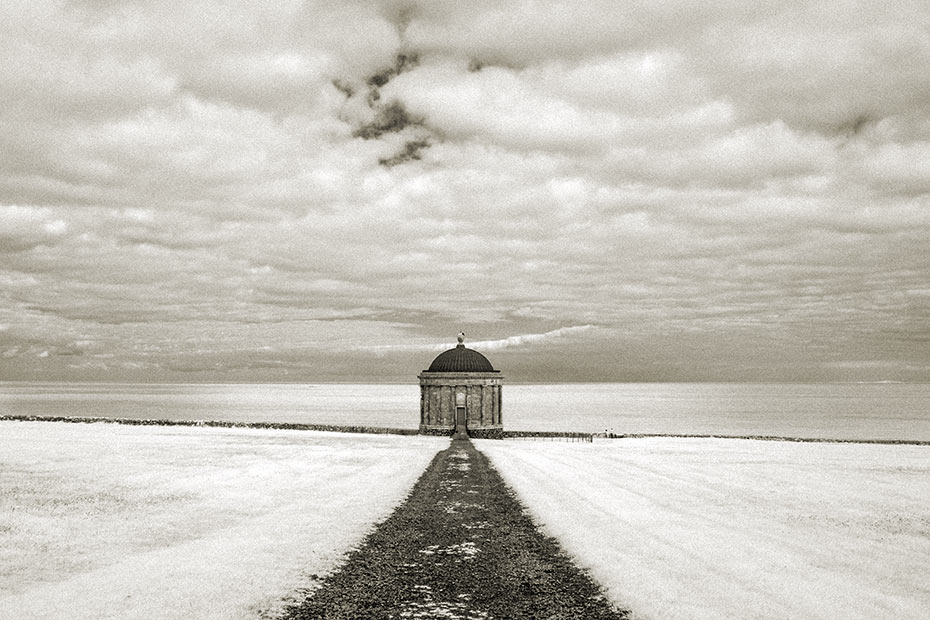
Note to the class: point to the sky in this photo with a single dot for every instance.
(596, 191)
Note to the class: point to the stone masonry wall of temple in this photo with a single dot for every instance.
(479, 392)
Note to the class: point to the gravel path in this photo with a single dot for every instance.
(459, 547)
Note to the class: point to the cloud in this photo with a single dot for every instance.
(356, 172)
(25, 227)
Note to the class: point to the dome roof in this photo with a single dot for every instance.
(461, 359)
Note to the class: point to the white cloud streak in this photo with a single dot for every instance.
(531, 339)
(522, 340)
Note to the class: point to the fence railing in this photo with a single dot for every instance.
(548, 436)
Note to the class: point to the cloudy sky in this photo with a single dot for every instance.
(617, 190)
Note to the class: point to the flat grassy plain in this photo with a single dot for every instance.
(110, 521)
(148, 522)
(680, 529)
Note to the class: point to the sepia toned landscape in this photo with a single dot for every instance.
(497, 310)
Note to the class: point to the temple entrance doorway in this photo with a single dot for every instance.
(460, 420)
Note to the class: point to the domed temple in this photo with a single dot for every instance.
(460, 393)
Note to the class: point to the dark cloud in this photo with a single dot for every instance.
(390, 118)
(411, 151)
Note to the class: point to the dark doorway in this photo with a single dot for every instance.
(460, 420)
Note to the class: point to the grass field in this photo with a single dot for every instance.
(145, 522)
(110, 521)
(730, 529)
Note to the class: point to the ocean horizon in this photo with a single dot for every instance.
(846, 411)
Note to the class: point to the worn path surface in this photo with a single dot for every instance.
(460, 546)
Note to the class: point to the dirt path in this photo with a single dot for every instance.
(461, 547)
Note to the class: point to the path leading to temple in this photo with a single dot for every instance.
(460, 547)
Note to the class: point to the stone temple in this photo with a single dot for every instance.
(460, 393)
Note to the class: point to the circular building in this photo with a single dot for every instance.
(460, 392)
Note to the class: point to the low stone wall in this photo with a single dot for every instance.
(486, 433)
(332, 428)
(474, 433)
(436, 432)
(902, 442)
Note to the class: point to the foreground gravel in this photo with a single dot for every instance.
(461, 547)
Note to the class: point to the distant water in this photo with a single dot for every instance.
(840, 411)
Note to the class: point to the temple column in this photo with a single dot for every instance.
(500, 419)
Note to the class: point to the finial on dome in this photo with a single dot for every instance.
(461, 337)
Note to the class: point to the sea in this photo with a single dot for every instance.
(866, 411)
